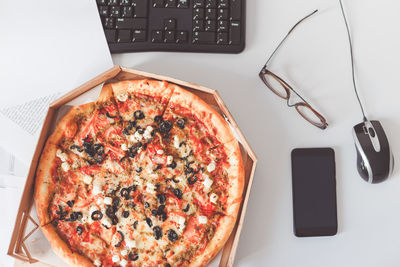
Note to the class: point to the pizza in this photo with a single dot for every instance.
(148, 175)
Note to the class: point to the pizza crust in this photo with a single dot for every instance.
(212, 120)
(226, 223)
(61, 248)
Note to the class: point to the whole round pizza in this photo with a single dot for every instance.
(148, 175)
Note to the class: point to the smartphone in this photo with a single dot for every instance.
(314, 192)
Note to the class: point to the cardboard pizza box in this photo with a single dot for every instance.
(28, 243)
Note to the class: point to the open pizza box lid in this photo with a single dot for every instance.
(28, 242)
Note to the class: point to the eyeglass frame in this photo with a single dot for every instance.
(264, 71)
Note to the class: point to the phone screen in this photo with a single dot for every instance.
(314, 192)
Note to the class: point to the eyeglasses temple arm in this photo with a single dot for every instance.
(287, 35)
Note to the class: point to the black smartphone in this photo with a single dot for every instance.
(314, 192)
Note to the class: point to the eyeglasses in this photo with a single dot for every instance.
(283, 89)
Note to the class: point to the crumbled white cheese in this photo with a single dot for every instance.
(211, 166)
(138, 136)
(61, 155)
(124, 147)
(124, 252)
(207, 182)
(65, 166)
(87, 179)
(202, 219)
(147, 132)
(181, 221)
(97, 262)
(115, 258)
(213, 198)
(96, 188)
(176, 142)
(170, 159)
(107, 200)
(123, 263)
(130, 243)
(132, 138)
(160, 152)
(150, 188)
(110, 120)
(122, 97)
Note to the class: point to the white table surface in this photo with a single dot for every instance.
(315, 60)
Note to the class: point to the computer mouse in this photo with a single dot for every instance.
(374, 157)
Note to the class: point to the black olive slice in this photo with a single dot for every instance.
(172, 165)
(116, 202)
(186, 209)
(76, 147)
(167, 265)
(157, 232)
(125, 193)
(121, 240)
(163, 217)
(191, 180)
(99, 148)
(55, 223)
(159, 166)
(158, 119)
(177, 192)
(172, 235)
(165, 126)
(109, 116)
(133, 256)
(125, 214)
(96, 215)
(181, 123)
(114, 220)
(161, 198)
(154, 213)
(138, 114)
(139, 169)
(149, 222)
(98, 159)
(146, 205)
(70, 203)
(160, 209)
(110, 211)
(79, 230)
(135, 224)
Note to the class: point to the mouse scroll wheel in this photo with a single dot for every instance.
(371, 132)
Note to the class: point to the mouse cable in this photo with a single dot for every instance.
(352, 60)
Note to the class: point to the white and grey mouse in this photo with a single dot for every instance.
(374, 157)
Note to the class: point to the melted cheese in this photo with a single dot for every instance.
(207, 182)
(122, 97)
(202, 219)
(213, 198)
(65, 166)
(61, 155)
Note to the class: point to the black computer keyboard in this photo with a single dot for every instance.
(174, 25)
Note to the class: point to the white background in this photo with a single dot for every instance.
(315, 60)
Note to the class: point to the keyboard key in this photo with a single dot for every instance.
(169, 37)
(198, 25)
(158, 3)
(222, 26)
(222, 14)
(234, 32)
(223, 3)
(124, 36)
(182, 37)
(103, 10)
(236, 9)
(101, 2)
(109, 23)
(141, 8)
(183, 4)
(170, 3)
(211, 3)
(156, 37)
(222, 38)
(170, 24)
(210, 26)
(139, 36)
(211, 13)
(115, 12)
(113, 2)
(131, 23)
(198, 3)
(127, 11)
(125, 2)
(198, 13)
(111, 35)
(204, 37)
